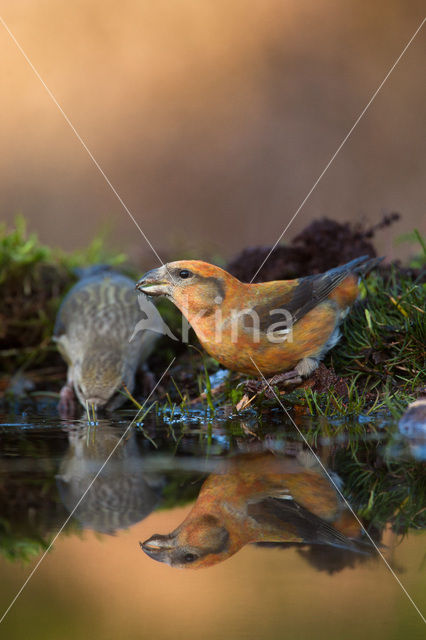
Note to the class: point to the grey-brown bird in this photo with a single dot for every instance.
(123, 494)
(95, 333)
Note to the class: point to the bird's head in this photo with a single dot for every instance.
(99, 375)
(198, 542)
(190, 284)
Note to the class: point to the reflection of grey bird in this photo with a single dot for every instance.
(413, 426)
(413, 422)
(94, 332)
(121, 495)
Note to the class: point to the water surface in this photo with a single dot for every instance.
(277, 551)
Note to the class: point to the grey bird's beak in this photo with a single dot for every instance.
(155, 282)
(158, 547)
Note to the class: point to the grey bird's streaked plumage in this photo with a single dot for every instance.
(93, 331)
(123, 494)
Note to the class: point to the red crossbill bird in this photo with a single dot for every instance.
(260, 498)
(94, 333)
(283, 326)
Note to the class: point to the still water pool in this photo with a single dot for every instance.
(189, 527)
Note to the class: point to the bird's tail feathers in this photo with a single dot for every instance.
(364, 264)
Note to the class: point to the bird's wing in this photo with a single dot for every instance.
(71, 307)
(64, 349)
(60, 322)
(301, 296)
(310, 528)
(88, 297)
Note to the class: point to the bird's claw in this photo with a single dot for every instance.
(295, 381)
(290, 378)
(287, 375)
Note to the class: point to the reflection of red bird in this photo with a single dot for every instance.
(237, 323)
(261, 498)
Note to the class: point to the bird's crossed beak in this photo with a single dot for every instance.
(158, 547)
(155, 282)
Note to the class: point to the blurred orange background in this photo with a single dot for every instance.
(212, 119)
(106, 587)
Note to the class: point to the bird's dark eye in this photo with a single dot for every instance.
(184, 274)
(189, 557)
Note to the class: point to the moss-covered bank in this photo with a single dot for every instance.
(379, 363)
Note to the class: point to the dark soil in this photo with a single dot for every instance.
(324, 244)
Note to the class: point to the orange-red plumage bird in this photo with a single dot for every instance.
(258, 498)
(279, 326)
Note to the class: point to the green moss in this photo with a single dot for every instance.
(381, 356)
(384, 489)
(33, 280)
(21, 251)
(384, 336)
